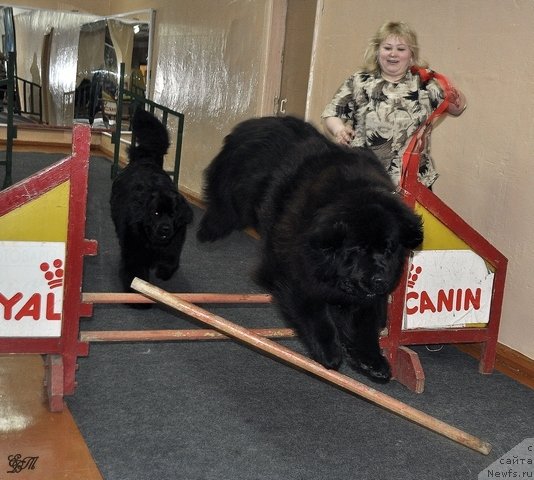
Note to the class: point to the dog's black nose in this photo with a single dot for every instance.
(164, 230)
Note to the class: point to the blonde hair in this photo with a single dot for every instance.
(388, 29)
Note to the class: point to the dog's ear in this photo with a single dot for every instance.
(410, 225)
(411, 229)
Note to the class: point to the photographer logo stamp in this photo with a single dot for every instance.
(17, 463)
(517, 463)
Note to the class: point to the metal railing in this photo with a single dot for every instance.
(31, 102)
(11, 130)
(135, 100)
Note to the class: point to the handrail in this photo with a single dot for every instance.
(13, 106)
(11, 129)
(136, 99)
(29, 104)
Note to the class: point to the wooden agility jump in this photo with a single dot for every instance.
(176, 335)
(61, 352)
(274, 349)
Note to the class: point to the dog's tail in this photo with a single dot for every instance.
(151, 138)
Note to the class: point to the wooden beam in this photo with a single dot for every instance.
(174, 335)
(101, 297)
(274, 349)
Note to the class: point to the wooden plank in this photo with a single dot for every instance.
(274, 349)
(174, 335)
(110, 297)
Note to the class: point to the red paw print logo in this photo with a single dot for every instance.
(53, 273)
(413, 275)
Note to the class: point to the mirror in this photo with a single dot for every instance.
(67, 63)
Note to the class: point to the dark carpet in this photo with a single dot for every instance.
(220, 411)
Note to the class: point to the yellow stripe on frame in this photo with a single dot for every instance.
(43, 219)
(437, 235)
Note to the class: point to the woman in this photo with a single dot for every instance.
(384, 103)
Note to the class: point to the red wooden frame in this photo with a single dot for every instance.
(61, 352)
(405, 364)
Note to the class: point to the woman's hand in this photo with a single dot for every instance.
(341, 132)
(457, 102)
(344, 135)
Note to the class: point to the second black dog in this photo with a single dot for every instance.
(149, 213)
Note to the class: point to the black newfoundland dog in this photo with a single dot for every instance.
(335, 235)
(149, 214)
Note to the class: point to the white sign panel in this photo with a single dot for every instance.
(447, 288)
(31, 288)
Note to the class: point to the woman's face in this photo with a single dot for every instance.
(394, 58)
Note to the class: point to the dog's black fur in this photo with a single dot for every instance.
(335, 236)
(149, 213)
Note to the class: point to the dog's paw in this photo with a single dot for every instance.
(329, 356)
(375, 367)
(208, 229)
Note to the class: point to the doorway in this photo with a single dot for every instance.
(296, 60)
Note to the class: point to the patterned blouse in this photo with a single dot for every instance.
(385, 115)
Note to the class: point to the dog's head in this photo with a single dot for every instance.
(359, 250)
(152, 139)
(166, 214)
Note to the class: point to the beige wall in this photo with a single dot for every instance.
(208, 63)
(484, 156)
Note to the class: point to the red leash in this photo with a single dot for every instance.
(411, 156)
